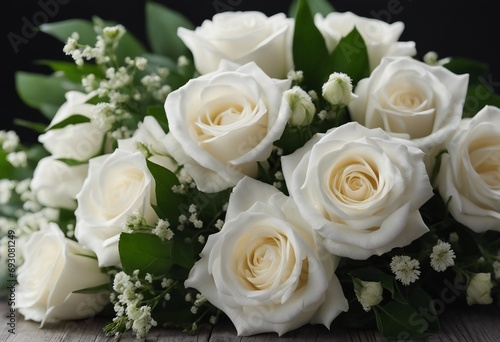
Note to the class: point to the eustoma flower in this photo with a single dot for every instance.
(360, 188)
(117, 185)
(470, 172)
(381, 38)
(264, 268)
(53, 269)
(412, 100)
(222, 124)
(242, 37)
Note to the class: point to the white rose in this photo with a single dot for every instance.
(76, 141)
(117, 185)
(150, 139)
(479, 289)
(470, 172)
(360, 188)
(54, 268)
(55, 183)
(381, 38)
(222, 124)
(264, 268)
(411, 100)
(242, 37)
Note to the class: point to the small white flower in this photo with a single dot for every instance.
(201, 239)
(9, 140)
(301, 105)
(163, 231)
(6, 187)
(338, 89)
(219, 224)
(18, 159)
(453, 237)
(148, 278)
(296, 76)
(405, 268)
(431, 58)
(165, 282)
(182, 61)
(370, 294)
(134, 221)
(442, 256)
(141, 63)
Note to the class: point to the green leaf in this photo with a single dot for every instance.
(350, 57)
(43, 92)
(183, 254)
(475, 69)
(144, 252)
(72, 71)
(72, 162)
(317, 6)
(129, 46)
(477, 97)
(62, 30)
(161, 26)
(400, 321)
(94, 289)
(158, 112)
(168, 203)
(72, 120)
(307, 39)
(35, 126)
(424, 304)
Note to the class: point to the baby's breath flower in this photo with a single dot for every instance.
(405, 268)
(134, 221)
(163, 231)
(141, 63)
(442, 256)
(9, 140)
(165, 282)
(6, 188)
(296, 76)
(201, 239)
(219, 224)
(182, 61)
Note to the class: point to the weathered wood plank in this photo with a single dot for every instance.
(476, 323)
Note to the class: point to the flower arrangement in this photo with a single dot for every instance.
(280, 170)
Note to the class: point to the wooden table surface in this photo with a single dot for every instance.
(476, 323)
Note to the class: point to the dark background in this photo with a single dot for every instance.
(451, 28)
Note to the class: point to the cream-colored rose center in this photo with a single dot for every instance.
(120, 189)
(407, 106)
(353, 181)
(266, 262)
(485, 159)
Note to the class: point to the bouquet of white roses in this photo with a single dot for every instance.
(279, 170)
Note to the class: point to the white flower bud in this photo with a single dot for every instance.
(301, 105)
(479, 289)
(370, 294)
(338, 89)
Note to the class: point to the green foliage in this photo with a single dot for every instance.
(72, 120)
(34, 91)
(309, 48)
(71, 71)
(350, 57)
(317, 6)
(168, 203)
(145, 252)
(62, 30)
(161, 26)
